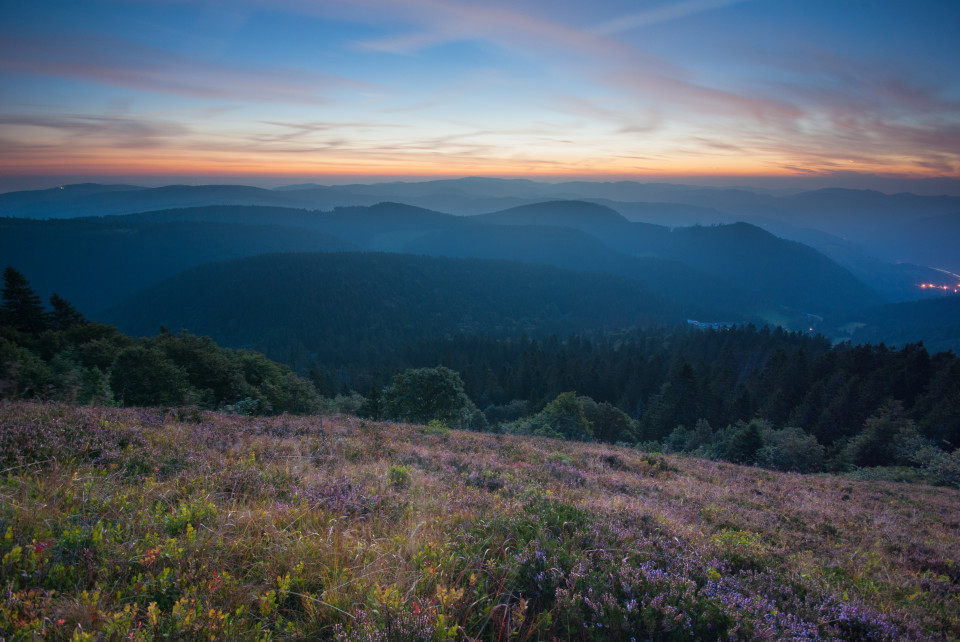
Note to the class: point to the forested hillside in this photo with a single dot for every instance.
(732, 273)
(57, 354)
(96, 262)
(791, 273)
(365, 307)
(936, 320)
(352, 321)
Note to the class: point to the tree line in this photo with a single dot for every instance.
(57, 354)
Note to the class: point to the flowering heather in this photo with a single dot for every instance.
(144, 524)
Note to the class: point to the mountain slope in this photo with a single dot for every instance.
(95, 262)
(935, 322)
(787, 272)
(345, 306)
(736, 272)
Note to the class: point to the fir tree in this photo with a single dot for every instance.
(64, 315)
(22, 307)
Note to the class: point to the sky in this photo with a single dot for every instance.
(280, 91)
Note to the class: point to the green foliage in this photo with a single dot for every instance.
(64, 316)
(424, 394)
(398, 476)
(352, 404)
(883, 439)
(22, 374)
(608, 423)
(143, 376)
(791, 449)
(940, 467)
(562, 418)
(744, 442)
(437, 427)
(506, 413)
(22, 308)
(89, 363)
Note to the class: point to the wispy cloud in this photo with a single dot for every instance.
(119, 131)
(122, 63)
(657, 15)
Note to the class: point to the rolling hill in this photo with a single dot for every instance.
(344, 306)
(96, 262)
(735, 272)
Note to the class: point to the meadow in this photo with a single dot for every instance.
(185, 524)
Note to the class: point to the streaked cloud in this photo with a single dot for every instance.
(127, 64)
(657, 15)
(436, 86)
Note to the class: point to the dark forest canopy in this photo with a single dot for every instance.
(781, 399)
(59, 355)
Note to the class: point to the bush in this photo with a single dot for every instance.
(792, 450)
(351, 404)
(942, 468)
(562, 418)
(609, 423)
(884, 440)
(745, 442)
(398, 476)
(143, 376)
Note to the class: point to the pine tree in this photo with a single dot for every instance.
(64, 315)
(22, 307)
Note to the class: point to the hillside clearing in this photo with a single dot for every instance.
(142, 523)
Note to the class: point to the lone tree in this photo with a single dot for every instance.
(422, 394)
(21, 306)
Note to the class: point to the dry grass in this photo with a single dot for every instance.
(125, 524)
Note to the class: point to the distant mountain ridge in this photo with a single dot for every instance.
(717, 264)
(96, 262)
(736, 272)
(888, 225)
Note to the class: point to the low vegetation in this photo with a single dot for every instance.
(144, 524)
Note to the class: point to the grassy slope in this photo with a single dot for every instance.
(143, 523)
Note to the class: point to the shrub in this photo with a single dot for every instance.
(884, 439)
(143, 376)
(398, 476)
(609, 423)
(791, 449)
(942, 468)
(744, 443)
(562, 418)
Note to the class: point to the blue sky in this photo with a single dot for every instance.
(291, 89)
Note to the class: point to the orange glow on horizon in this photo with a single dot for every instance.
(238, 165)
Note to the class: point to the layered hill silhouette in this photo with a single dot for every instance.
(741, 268)
(890, 226)
(732, 271)
(736, 272)
(96, 262)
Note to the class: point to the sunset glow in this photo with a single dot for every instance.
(424, 88)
